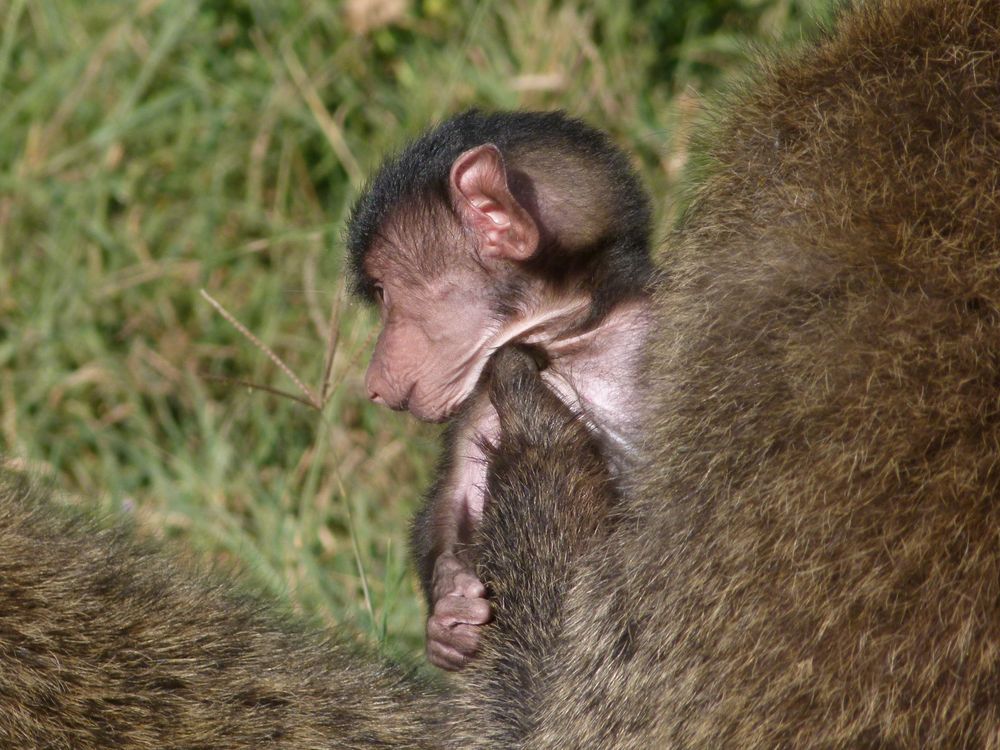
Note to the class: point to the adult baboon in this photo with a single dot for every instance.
(105, 643)
(810, 557)
(813, 559)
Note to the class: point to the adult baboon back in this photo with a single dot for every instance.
(809, 556)
(105, 642)
(812, 558)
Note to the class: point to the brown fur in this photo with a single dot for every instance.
(552, 467)
(105, 643)
(811, 558)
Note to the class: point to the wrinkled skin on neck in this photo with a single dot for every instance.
(437, 336)
(597, 373)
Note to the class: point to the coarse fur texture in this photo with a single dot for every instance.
(107, 643)
(552, 465)
(811, 559)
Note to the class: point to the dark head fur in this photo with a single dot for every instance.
(419, 175)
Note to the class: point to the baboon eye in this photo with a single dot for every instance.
(380, 294)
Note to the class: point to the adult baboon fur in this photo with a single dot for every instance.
(107, 643)
(810, 556)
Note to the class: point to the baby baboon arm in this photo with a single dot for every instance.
(442, 533)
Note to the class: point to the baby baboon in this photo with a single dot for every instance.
(489, 229)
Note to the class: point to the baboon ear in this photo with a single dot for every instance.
(485, 205)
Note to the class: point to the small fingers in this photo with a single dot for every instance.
(463, 639)
(458, 610)
(452, 577)
(453, 630)
(469, 586)
(445, 657)
(449, 646)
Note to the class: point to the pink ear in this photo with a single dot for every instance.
(486, 206)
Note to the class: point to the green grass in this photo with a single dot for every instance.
(150, 149)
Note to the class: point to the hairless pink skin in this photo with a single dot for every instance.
(438, 334)
(595, 373)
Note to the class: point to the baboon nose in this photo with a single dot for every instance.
(373, 385)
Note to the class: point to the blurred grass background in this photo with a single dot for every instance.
(149, 149)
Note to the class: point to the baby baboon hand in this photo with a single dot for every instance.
(460, 610)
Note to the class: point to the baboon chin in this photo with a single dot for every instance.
(806, 554)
